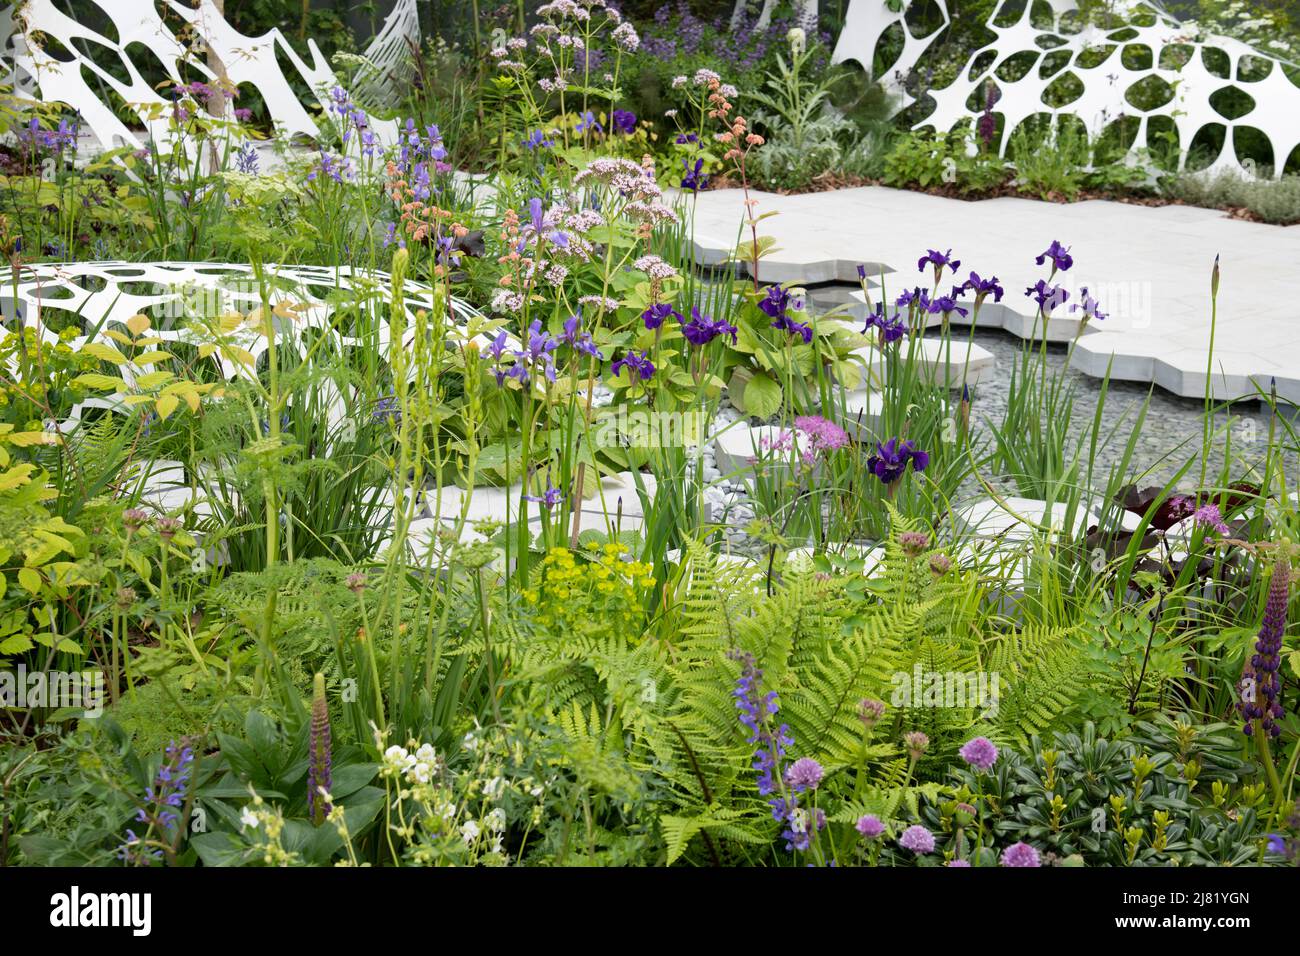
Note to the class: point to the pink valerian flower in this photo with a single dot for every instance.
(917, 839)
(654, 267)
(626, 37)
(599, 302)
(679, 81)
(1209, 516)
(705, 77)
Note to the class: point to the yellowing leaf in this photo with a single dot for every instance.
(95, 380)
(30, 579)
(165, 405)
(102, 350)
(26, 439)
(149, 358)
(138, 323)
(154, 379)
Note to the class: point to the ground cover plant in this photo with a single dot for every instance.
(402, 544)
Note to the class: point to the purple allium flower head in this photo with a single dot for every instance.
(1059, 254)
(916, 743)
(804, 774)
(1020, 854)
(869, 826)
(823, 435)
(891, 460)
(917, 839)
(979, 753)
(638, 365)
(870, 711)
(958, 862)
(1261, 687)
(1209, 516)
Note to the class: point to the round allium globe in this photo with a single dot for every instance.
(979, 753)
(917, 839)
(870, 826)
(958, 862)
(1020, 854)
(804, 774)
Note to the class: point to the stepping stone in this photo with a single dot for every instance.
(858, 411)
(989, 520)
(739, 447)
(952, 364)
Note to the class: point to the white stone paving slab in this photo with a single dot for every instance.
(1148, 267)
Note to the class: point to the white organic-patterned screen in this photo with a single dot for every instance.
(38, 74)
(1107, 86)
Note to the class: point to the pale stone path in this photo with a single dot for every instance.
(1148, 267)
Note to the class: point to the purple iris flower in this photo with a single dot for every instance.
(1090, 306)
(891, 459)
(694, 180)
(918, 296)
(537, 140)
(862, 272)
(624, 121)
(588, 121)
(1059, 254)
(891, 329)
(947, 304)
(655, 315)
(579, 341)
(983, 287)
(939, 260)
(775, 302)
(701, 329)
(550, 499)
(542, 228)
(638, 365)
(1047, 296)
(787, 324)
(685, 139)
(537, 350)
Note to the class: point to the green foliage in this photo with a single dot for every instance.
(948, 162)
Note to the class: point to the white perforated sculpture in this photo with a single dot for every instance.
(182, 297)
(1107, 86)
(36, 73)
